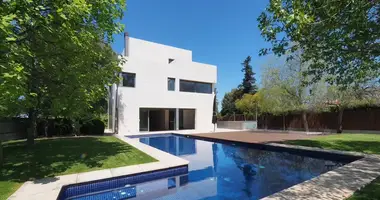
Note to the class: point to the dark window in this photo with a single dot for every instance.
(186, 86)
(170, 60)
(203, 88)
(171, 84)
(129, 79)
(198, 87)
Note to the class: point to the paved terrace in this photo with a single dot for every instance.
(255, 136)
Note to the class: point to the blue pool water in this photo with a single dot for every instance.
(223, 171)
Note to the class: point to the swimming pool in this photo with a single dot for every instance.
(225, 170)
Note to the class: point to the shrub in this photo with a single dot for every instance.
(97, 127)
(93, 127)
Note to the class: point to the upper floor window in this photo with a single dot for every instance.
(192, 86)
(171, 84)
(129, 79)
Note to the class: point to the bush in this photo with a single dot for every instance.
(55, 127)
(41, 124)
(93, 127)
(63, 127)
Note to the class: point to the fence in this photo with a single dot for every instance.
(13, 129)
(367, 119)
(237, 117)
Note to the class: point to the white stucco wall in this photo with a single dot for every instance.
(150, 63)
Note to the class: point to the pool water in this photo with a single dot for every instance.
(227, 171)
(222, 171)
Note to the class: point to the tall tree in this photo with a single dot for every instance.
(248, 85)
(228, 102)
(340, 38)
(56, 56)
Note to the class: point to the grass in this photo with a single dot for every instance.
(370, 192)
(52, 157)
(364, 143)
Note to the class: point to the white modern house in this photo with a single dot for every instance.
(162, 89)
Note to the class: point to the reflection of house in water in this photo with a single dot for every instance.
(200, 183)
(174, 145)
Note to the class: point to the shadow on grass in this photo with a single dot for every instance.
(372, 147)
(51, 157)
(370, 192)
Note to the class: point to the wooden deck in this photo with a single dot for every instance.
(255, 137)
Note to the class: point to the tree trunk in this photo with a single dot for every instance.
(32, 127)
(340, 120)
(304, 121)
(283, 123)
(1, 154)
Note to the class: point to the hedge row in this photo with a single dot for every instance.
(64, 127)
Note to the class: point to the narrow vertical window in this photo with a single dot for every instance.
(171, 84)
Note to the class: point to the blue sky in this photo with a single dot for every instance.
(219, 32)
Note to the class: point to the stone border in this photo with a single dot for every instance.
(337, 184)
(49, 188)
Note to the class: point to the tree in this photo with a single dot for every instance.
(248, 105)
(248, 85)
(287, 82)
(274, 101)
(228, 102)
(57, 57)
(340, 38)
(342, 98)
(215, 110)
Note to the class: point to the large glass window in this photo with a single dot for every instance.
(171, 84)
(129, 79)
(198, 87)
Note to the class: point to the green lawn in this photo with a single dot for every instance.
(364, 143)
(52, 157)
(370, 192)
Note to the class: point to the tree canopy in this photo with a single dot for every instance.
(339, 38)
(228, 102)
(56, 58)
(248, 85)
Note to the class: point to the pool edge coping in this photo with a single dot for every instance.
(338, 184)
(50, 188)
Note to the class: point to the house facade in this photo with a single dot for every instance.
(163, 89)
